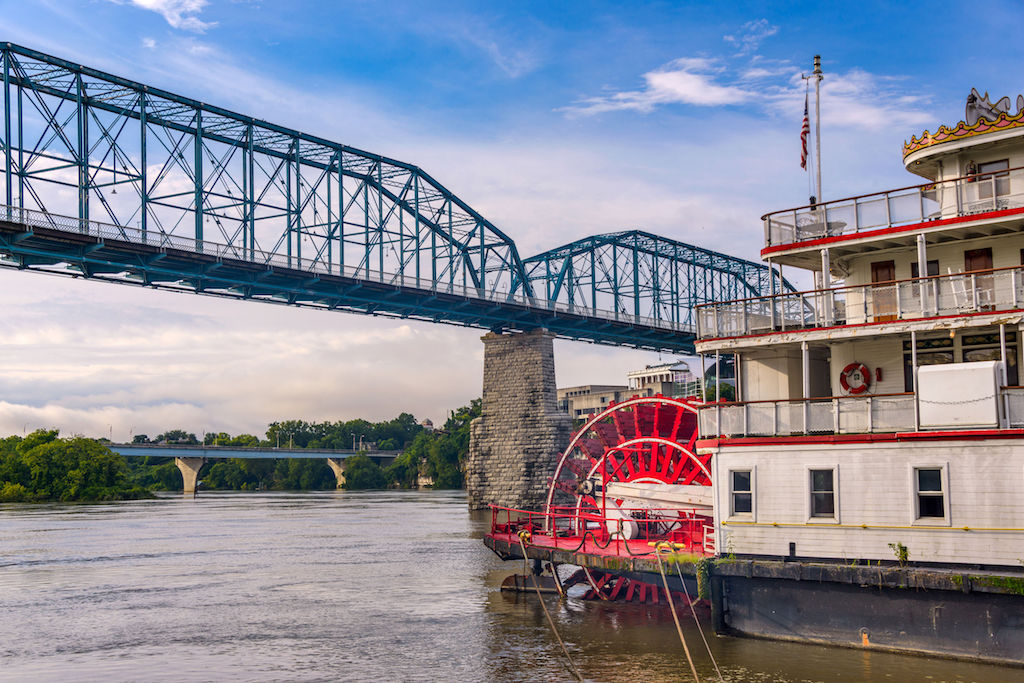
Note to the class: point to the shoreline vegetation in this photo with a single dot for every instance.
(43, 467)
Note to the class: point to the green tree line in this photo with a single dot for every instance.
(43, 466)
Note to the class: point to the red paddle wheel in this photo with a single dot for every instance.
(632, 471)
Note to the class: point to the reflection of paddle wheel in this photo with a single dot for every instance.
(605, 586)
(632, 473)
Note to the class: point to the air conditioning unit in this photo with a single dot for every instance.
(959, 395)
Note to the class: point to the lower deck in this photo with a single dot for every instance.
(952, 498)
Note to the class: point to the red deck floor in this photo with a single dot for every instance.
(588, 546)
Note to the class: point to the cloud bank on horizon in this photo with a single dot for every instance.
(555, 122)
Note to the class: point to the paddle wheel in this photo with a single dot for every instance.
(634, 463)
(630, 481)
(631, 472)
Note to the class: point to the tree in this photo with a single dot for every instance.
(179, 436)
(363, 473)
(44, 467)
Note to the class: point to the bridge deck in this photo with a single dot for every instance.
(212, 452)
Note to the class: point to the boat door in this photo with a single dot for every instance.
(883, 291)
(981, 260)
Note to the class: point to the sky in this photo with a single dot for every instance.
(554, 120)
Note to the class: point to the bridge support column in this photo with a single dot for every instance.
(189, 472)
(516, 442)
(337, 466)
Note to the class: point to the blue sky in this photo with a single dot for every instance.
(555, 120)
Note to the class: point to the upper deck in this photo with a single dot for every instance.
(992, 202)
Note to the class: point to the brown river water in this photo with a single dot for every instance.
(339, 586)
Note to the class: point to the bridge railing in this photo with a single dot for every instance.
(109, 231)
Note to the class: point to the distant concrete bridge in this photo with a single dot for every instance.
(190, 459)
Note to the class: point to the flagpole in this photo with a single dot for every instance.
(817, 120)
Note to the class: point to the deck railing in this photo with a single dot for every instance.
(880, 413)
(833, 415)
(1001, 289)
(689, 528)
(1013, 405)
(963, 196)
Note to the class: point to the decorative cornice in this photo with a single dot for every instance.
(962, 130)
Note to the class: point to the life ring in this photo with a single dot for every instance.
(855, 378)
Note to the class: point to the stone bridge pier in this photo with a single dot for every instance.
(337, 466)
(189, 468)
(517, 440)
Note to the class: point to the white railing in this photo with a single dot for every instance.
(160, 240)
(1013, 406)
(835, 415)
(905, 206)
(944, 295)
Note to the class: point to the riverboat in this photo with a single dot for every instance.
(864, 487)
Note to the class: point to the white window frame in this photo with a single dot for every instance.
(743, 516)
(808, 510)
(915, 518)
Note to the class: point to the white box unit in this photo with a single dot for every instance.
(959, 395)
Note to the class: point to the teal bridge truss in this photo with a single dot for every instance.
(111, 179)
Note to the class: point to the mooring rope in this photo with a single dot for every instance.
(700, 630)
(675, 617)
(522, 544)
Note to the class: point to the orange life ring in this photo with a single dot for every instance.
(855, 378)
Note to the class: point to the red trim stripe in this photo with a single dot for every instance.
(957, 435)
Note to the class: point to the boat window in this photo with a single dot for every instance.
(823, 494)
(742, 494)
(930, 497)
(986, 347)
(993, 184)
(938, 351)
(933, 268)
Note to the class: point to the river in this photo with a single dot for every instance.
(338, 586)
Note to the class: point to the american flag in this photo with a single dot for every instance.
(805, 130)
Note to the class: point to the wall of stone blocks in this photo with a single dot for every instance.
(516, 442)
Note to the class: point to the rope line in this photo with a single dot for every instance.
(572, 667)
(675, 618)
(700, 630)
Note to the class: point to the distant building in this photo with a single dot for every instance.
(427, 424)
(581, 402)
(667, 379)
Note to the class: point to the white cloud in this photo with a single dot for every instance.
(83, 355)
(149, 43)
(688, 80)
(759, 72)
(751, 35)
(180, 14)
(513, 61)
(854, 99)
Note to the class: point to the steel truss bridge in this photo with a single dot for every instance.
(111, 179)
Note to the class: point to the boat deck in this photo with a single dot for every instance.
(634, 558)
